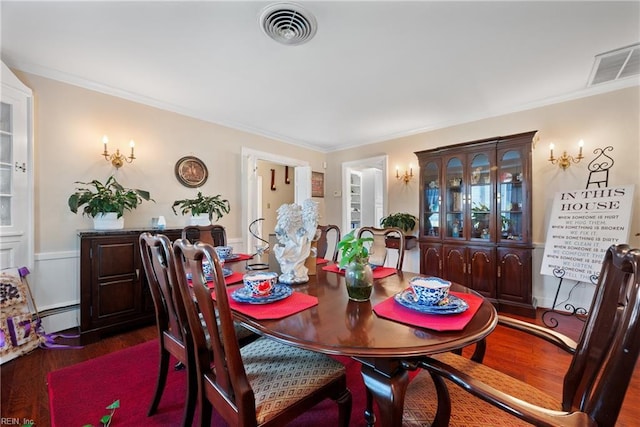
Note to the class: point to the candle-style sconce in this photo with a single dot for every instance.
(117, 159)
(407, 176)
(565, 160)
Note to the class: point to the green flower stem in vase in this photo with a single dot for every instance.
(359, 279)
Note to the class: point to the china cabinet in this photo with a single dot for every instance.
(475, 218)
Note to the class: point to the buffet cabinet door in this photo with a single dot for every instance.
(431, 260)
(514, 276)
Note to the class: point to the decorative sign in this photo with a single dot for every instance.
(583, 224)
(317, 184)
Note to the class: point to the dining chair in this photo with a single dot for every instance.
(378, 248)
(171, 319)
(213, 234)
(594, 386)
(328, 232)
(264, 383)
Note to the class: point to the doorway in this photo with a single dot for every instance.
(364, 192)
(252, 188)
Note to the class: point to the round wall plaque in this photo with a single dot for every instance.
(191, 171)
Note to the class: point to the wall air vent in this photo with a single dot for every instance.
(616, 64)
(288, 23)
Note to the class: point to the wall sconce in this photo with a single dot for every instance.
(117, 159)
(406, 177)
(565, 160)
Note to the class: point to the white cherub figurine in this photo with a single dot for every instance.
(295, 229)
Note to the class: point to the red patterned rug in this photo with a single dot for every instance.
(79, 394)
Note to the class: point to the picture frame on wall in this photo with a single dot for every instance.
(191, 172)
(317, 184)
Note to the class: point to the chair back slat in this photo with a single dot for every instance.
(378, 249)
(609, 345)
(157, 261)
(214, 234)
(323, 241)
(228, 373)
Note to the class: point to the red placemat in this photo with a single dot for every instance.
(235, 277)
(240, 257)
(378, 273)
(390, 309)
(276, 310)
(321, 261)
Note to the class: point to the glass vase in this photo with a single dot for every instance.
(359, 279)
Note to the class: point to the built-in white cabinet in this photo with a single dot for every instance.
(355, 207)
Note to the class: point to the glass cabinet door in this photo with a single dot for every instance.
(6, 164)
(480, 197)
(454, 198)
(511, 195)
(431, 212)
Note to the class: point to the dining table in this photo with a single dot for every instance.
(381, 334)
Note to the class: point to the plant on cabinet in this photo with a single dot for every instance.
(202, 208)
(106, 203)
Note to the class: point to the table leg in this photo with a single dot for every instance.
(388, 391)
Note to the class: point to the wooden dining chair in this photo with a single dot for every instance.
(378, 249)
(171, 319)
(594, 385)
(213, 234)
(264, 383)
(327, 232)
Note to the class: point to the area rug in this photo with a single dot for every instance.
(79, 394)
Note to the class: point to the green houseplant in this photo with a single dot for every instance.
(404, 221)
(106, 200)
(354, 258)
(201, 205)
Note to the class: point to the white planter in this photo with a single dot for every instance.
(200, 219)
(108, 221)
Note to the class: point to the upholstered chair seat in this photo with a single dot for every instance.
(281, 375)
(467, 410)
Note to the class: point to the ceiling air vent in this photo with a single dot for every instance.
(288, 23)
(616, 64)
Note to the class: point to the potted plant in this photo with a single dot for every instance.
(106, 203)
(202, 208)
(354, 258)
(405, 222)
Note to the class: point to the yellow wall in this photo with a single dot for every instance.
(68, 126)
(601, 120)
(69, 123)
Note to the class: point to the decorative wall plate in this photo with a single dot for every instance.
(191, 172)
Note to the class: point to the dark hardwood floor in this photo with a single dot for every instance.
(24, 389)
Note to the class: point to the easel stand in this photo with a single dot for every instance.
(570, 309)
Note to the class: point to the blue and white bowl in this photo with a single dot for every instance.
(429, 290)
(224, 252)
(260, 283)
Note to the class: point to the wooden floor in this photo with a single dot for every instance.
(24, 388)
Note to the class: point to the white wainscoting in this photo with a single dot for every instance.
(55, 283)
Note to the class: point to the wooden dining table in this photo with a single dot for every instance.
(385, 348)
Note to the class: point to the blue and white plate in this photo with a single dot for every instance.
(225, 271)
(453, 305)
(280, 291)
(230, 257)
